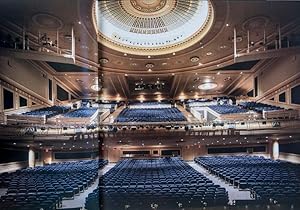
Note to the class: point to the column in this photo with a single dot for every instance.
(31, 158)
(205, 115)
(274, 150)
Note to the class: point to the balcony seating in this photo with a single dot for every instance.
(267, 179)
(45, 187)
(83, 112)
(227, 109)
(48, 111)
(150, 115)
(150, 105)
(165, 182)
(259, 107)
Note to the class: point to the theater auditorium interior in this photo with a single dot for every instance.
(149, 105)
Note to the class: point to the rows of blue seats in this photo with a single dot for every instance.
(82, 112)
(268, 180)
(48, 111)
(259, 107)
(150, 115)
(167, 182)
(152, 103)
(227, 109)
(45, 187)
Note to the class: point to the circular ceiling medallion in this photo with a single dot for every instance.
(208, 86)
(48, 21)
(152, 27)
(148, 6)
(257, 23)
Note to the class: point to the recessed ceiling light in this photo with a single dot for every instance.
(194, 59)
(149, 70)
(173, 53)
(218, 73)
(96, 87)
(227, 24)
(209, 53)
(208, 86)
(125, 54)
(14, 143)
(149, 56)
(126, 75)
(79, 22)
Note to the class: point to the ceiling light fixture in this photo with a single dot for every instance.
(208, 86)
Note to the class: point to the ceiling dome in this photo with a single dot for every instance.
(152, 27)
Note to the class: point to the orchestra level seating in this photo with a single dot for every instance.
(45, 187)
(270, 181)
(168, 183)
(150, 115)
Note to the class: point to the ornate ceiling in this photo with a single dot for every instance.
(152, 27)
(183, 69)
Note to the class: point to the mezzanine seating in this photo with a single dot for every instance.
(227, 109)
(48, 111)
(167, 182)
(82, 112)
(259, 107)
(45, 187)
(267, 179)
(150, 115)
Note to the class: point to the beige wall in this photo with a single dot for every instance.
(27, 79)
(188, 153)
(278, 72)
(46, 156)
(294, 158)
(12, 166)
(25, 74)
